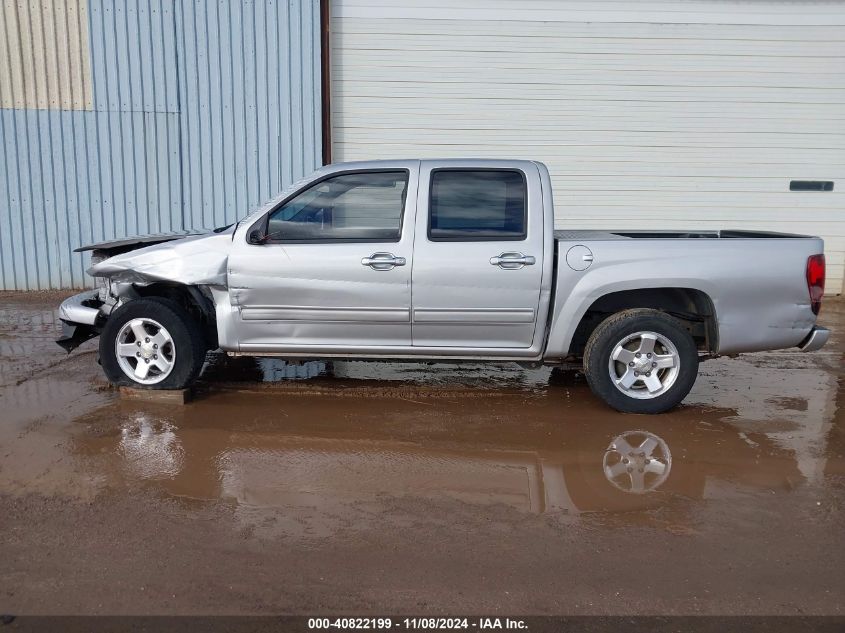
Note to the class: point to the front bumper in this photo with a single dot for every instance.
(79, 315)
(816, 339)
(82, 308)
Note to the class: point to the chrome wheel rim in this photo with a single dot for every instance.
(637, 462)
(145, 351)
(644, 365)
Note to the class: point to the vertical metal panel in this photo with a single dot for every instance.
(249, 89)
(162, 116)
(45, 90)
(136, 103)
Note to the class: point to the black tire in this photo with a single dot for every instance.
(615, 329)
(186, 336)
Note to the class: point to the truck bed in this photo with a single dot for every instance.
(592, 235)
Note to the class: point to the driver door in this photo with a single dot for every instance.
(332, 273)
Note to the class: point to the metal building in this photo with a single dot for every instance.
(122, 117)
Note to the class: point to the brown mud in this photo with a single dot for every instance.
(352, 487)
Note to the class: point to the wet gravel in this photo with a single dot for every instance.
(405, 488)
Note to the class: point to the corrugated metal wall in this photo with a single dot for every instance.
(141, 116)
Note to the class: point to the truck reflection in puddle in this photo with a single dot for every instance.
(258, 469)
(336, 460)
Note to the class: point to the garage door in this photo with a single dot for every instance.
(676, 114)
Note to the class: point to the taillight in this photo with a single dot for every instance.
(815, 281)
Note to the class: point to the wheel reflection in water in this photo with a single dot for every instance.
(637, 462)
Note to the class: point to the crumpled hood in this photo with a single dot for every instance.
(135, 240)
(199, 259)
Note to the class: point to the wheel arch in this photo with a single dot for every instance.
(692, 306)
(195, 300)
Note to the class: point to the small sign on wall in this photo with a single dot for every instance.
(811, 185)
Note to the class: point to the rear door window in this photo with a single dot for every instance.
(477, 205)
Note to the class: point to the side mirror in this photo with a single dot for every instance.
(256, 236)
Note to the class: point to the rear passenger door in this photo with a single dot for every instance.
(478, 256)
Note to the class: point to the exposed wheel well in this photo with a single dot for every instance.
(193, 300)
(691, 307)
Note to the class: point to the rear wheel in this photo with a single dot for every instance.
(151, 343)
(641, 361)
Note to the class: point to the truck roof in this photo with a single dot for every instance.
(457, 162)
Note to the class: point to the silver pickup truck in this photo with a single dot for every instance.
(447, 260)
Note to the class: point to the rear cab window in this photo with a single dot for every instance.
(477, 205)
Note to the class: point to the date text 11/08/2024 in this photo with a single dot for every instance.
(376, 623)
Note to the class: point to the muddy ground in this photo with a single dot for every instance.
(379, 488)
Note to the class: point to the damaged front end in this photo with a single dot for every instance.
(157, 265)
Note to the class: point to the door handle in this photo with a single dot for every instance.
(382, 261)
(512, 261)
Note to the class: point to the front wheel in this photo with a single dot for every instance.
(641, 361)
(151, 343)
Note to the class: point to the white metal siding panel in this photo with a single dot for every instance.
(44, 60)
(676, 115)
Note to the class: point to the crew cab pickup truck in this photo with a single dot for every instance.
(447, 260)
